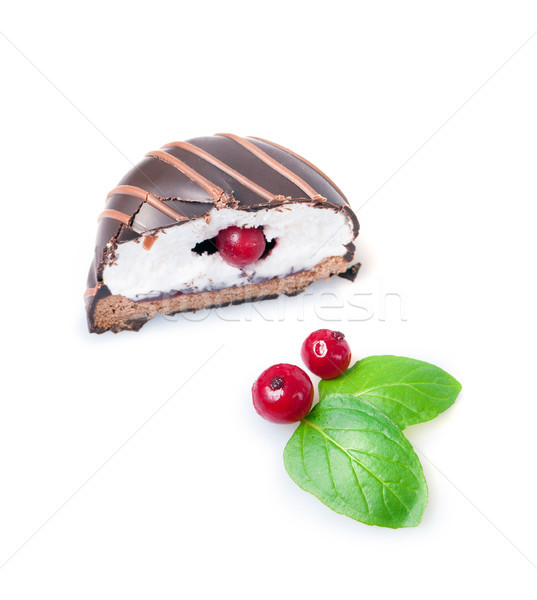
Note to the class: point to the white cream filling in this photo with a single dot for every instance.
(305, 236)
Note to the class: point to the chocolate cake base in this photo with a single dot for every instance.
(117, 313)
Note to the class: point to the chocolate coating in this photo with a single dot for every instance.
(185, 180)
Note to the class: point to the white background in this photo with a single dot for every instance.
(196, 504)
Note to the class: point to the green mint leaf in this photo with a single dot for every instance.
(407, 391)
(357, 462)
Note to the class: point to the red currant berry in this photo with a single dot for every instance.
(240, 247)
(283, 394)
(326, 353)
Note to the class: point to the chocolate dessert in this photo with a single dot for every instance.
(214, 221)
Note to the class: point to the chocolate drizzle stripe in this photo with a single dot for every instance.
(191, 173)
(91, 291)
(128, 190)
(136, 192)
(115, 214)
(304, 160)
(164, 208)
(243, 180)
(274, 164)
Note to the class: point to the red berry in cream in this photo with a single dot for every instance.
(283, 394)
(326, 353)
(240, 246)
